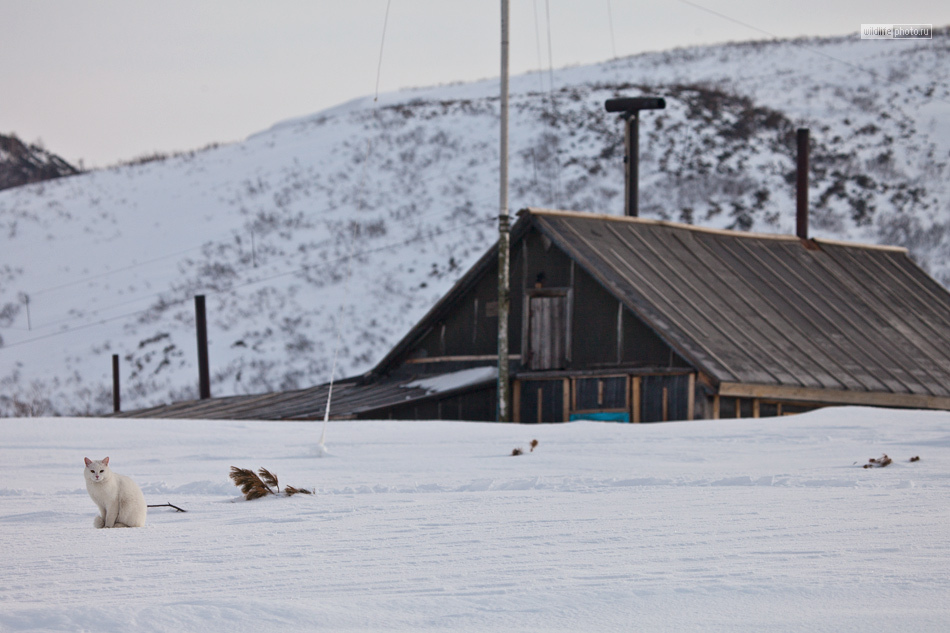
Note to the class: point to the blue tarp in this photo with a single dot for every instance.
(604, 416)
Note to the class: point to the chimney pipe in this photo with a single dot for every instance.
(801, 215)
(631, 161)
(630, 108)
(201, 324)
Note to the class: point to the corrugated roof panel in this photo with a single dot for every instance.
(751, 299)
(771, 309)
(729, 301)
(349, 399)
(889, 312)
(634, 275)
(785, 269)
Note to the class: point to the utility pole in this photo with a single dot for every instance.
(201, 325)
(116, 400)
(504, 235)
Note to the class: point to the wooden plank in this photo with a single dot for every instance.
(715, 412)
(691, 398)
(834, 396)
(540, 404)
(566, 394)
(619, 331)
(459, 359)
(635, 399)
(516, 402)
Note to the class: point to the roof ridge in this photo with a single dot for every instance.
(703, 229)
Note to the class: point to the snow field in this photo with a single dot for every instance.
(715, 525)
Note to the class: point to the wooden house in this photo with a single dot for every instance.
(630, 319)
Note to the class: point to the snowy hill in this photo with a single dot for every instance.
(353, 221)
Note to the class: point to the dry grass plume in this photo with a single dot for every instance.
(255, 486)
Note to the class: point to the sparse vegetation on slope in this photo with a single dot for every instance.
(348, 225)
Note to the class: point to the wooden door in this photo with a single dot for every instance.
(548, 327)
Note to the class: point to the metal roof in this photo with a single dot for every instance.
(351, 397)
(771, 309)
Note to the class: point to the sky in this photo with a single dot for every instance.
(102, 81)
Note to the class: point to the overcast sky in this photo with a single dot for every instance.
(108, 80)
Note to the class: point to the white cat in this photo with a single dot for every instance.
(120, 500)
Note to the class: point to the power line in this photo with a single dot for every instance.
(556, 202)
(610, 21)
(231, 234)
(537, 39)
(870, 71)
(115, 271)
(379, 66)
(236, 287)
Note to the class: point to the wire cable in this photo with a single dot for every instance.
(870, 71)
(321, 446)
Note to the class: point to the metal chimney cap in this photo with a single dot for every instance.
(633, 104)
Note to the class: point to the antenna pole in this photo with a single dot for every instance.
(504, 236)
(632, 164)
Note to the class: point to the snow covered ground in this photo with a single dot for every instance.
(737, 525)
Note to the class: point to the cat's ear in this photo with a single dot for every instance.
(88, 461)
(106, 461)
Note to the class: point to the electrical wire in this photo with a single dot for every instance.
(557, 202)
(870, 71)
(234, 288)
(382, 42)
(537, 39)
(321, 446)
(610, 21)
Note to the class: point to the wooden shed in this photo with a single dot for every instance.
(641, 320)
(637, 320)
